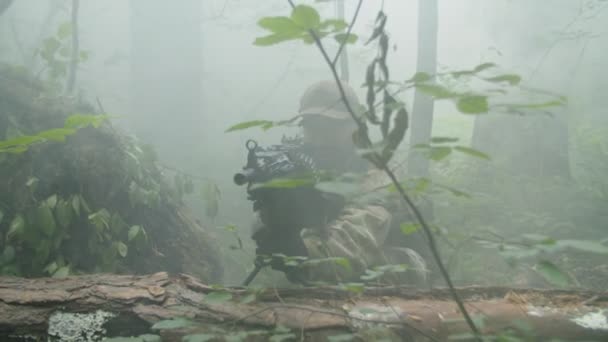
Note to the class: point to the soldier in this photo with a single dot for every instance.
(359, 232)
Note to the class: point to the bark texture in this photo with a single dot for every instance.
(137, 302)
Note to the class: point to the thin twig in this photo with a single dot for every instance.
(74, 58)
(434, 249)
(350, 28)
(382, 164)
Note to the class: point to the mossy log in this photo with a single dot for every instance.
(135, 303)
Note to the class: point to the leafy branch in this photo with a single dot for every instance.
(310, 19)
(72, 124)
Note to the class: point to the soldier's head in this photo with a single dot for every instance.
(325, 117)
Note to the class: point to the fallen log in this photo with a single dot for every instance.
(180, 307)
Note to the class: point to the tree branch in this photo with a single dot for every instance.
(350, 28)
(383, 165)
(74, 59)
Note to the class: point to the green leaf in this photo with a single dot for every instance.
(454, 191)
(555, 103)
(582, 245)
(64, 30)
(409, 228)
(134, 232)
(420, 77)
(122, 249)
(50, 46)
(117, 224)
(84, 120)
(16, 228)
(442, 140)
(199, 338)
(338, 25)
(76, 204)
(346, 189)
(1, 216)
(272, 40)
(175, 323)
(62, 272)
(63, 213)
(218, 297)
(51, 201)
(57, 134)
(281, 26)
(32, 183)
(472, 152)
(285, 183)
(249, 124)
(439, 153)
(422, 184)
(248, 299)
(540, 239)
(100, 219)
(343, 262)
(306, 17)
(396, 135)
(51, 268)
(23, 140)
(8, 255)
(356, 288)
(379, 28)
(45, 221)
(553, 274)
(343, 38)
(473, 104)
(512, 79)
(484, 66)
(436, 91)
(84, 204)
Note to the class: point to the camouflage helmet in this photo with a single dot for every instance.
(323, 99)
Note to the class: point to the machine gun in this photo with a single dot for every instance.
(283, 209)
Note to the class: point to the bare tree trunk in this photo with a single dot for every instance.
(75, 53)
(129, 305)
(166, 62)
(344, 72)
(422, 113)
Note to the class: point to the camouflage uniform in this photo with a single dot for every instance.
(360, 232)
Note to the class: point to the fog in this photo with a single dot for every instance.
(178, 74)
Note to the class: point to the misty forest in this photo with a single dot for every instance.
(303, 170)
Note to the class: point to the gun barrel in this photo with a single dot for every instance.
(243, 177)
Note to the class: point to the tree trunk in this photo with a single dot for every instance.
(344, 72)
(533, 145)
(166, 61)
(129, 305)
(422, 113)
